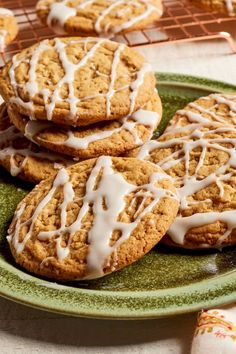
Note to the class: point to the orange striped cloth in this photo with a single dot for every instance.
(215, 332)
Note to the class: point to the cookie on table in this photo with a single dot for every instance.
(77, 81)
(8, 27)
(24, 159)
(198, 150)
(93, 218)
(98, 18)
(222, 6)
(106, 138)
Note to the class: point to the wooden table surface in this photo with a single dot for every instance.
(27, 331)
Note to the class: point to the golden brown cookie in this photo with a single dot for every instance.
(108, 138)
(222, 6)
(24, 159)
(93, 218)
(77, 81)
(103, 18)
(8, 27)
(213, 109)
(198, 150)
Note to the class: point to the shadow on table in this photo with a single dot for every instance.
(39, 326)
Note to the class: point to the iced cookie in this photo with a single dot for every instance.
(93, 218)
(217, 108)
(77, 81)
(108, 138)
(222, 6)
(198, 150)
(8, 27)
(103, 18)
(24, 159)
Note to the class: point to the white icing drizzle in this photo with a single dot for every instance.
(112, 188)
(60, 12)
(70, 70)
(107, 11)
(199, 135)
(15, 239)
(196, 118)
(131, 123)
(15, 169)
(52, 98)
(201, 109)
(135, 85)
(226, 99)
(58, 15)
(34, 127)
(111, 90)
(8, 136)
(181, 226)
(32, 85)
(149, 10)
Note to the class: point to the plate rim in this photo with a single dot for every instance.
(61, 308)
(223, 282)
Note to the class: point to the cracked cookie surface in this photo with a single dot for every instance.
(93, 218)
(107, 138)
(104, 18)
(77, 81)
(198, 150)
(24, 159)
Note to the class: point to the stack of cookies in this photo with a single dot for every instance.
(72, 99)
(88, 101)
(73, 107)
(92, 101)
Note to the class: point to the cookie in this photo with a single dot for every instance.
(109, 138)
(24, 159)
(93, 218)
(98, 18)
(222, 6)
(198, 150)
(77, 81)
(8, 27)
(217, 108)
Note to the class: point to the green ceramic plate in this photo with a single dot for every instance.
(165, 282)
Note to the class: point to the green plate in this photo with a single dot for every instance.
(165, 282)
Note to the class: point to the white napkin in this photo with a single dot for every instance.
(215, 332)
